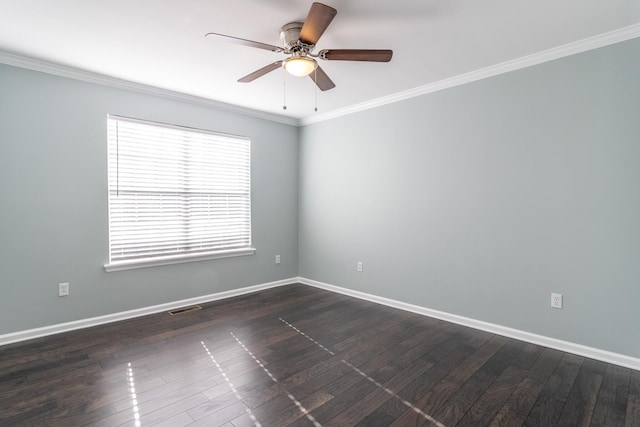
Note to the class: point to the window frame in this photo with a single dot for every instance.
(185, 256)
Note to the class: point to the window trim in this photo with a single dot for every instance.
(175, 258)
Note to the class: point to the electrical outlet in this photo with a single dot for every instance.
(556, 300)
(277, 259)
(359, 267)
(63, 289)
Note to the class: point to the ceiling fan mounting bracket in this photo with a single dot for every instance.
(290, 37)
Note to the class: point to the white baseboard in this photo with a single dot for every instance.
(116, 317)
(569, 347)
(582, 350)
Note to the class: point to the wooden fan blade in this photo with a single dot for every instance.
(319, 17)
(321, 79)
(261, 72)
(371, 55)
(243, 42)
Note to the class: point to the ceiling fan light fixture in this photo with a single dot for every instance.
(300, 66)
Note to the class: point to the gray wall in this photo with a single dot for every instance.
(479, 200)
(53, 215)
(482, 200)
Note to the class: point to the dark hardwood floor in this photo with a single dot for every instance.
(300, 356)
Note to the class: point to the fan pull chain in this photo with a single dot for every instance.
(117, 160)
(315, 91)
(284, 89)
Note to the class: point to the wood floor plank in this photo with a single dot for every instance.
(487, 406)
(302, 384)
(412, 357)
(384, 415)
(439, 393)
(379, 326)
(209, 414)
(422, 390)
(610, 410)
(545, 365)
(632, 417)
(347, 392)
(386, 364)
(298, 412)
(385, 391)
(452, 411)
(578, 409)
(515, 410)
(551, 401)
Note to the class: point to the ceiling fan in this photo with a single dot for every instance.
(299, 40)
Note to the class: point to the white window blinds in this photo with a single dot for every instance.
(176, 192)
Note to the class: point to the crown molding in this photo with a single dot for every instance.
(595, 42)
(104, 80)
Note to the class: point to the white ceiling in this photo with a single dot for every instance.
(162, 44)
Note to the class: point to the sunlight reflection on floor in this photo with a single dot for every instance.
(134, 398)
(231, 386)
(386, 389)
(289, 395)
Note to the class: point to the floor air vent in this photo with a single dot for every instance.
(185, 310)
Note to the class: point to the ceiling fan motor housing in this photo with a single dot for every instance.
(290, 36)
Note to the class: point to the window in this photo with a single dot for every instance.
(176, 194)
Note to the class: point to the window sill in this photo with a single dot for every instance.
(176, 259)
